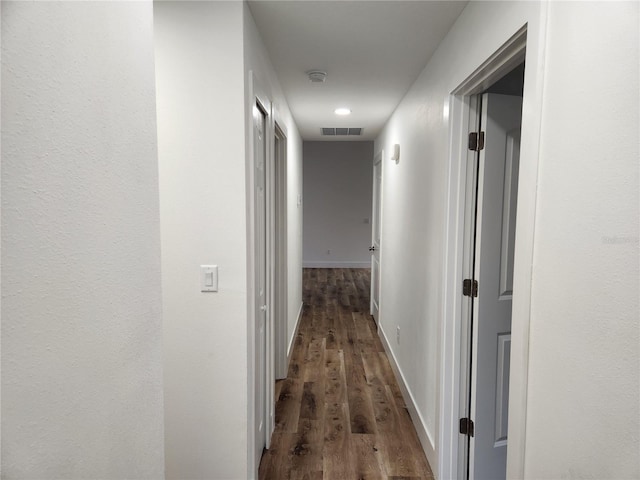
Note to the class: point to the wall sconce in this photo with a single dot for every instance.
(395, 153)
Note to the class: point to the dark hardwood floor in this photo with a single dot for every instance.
(339, 412)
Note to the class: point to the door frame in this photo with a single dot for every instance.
(461, 107)
(257, 95)
(278, 231)
(377, 222)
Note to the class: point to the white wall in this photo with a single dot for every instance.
(257, 61)
(415, 202)
(584, 303)
(199, 69)
(294, 236)
(81, 311)
(338, 181)
(584, 344)
(204, 53)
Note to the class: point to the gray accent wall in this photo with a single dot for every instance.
(337, 185)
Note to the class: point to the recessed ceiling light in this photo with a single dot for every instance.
(342, 111)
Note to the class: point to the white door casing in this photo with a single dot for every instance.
(466, 306)
(280, 250)
(376, 217)
(259, 138)
(494, 252)
(527, 44)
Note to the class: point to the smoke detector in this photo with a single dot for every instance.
(317, 76)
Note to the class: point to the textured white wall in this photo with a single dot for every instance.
(338, 181)
(199, 68)
(204, 53)
(584, 306)
(294, 238)
(257, 60)
(81, 311)
(415, 200)
(584, 375)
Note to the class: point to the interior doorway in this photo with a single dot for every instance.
(264, 287)
(279, 250)
(269, 297)
(467, 417)
(376, 217)
(261, 295)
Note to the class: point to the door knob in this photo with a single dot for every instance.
(372, 248)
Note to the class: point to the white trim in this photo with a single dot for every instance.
(255, 95)
(251, 467)
(524, 253)
(366, 264)
(463, 113)
(376, 222)
(270, 235)
(280, 248)
(426, 438)
(279, 120)
(295, 333)
(502, 60)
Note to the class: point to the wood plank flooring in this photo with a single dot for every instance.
(340, 413)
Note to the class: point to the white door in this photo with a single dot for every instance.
(259, 139)
(494, 248)
(375, 236)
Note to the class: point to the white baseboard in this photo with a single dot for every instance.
(295, 333)
(311, 264)
(425, 437)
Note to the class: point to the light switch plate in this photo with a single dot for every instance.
(208, 278)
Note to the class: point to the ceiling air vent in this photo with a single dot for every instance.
(343, 131)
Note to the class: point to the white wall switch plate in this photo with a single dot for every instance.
(208, 278)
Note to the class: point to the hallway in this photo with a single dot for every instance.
(340, 413)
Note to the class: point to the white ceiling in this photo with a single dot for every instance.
(371, 50)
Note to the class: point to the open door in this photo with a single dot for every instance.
(375, 236)
(491, 288)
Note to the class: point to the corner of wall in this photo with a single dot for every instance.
(292, 337)
(201, 140)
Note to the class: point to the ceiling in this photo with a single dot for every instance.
(371, 50)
